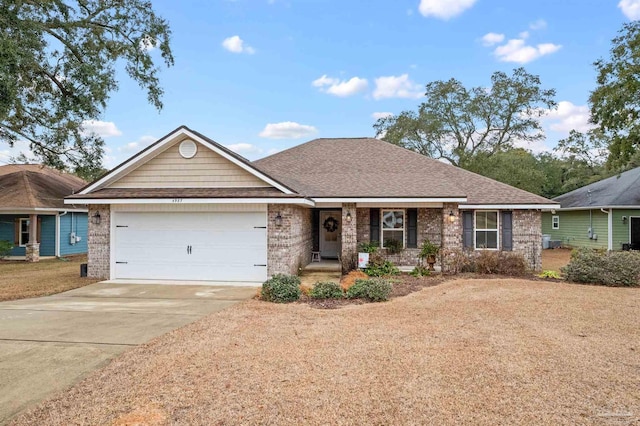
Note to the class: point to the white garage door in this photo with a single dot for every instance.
(229, 246)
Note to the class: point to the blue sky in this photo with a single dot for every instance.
(264, 75)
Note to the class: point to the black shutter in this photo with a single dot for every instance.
(374, 225)
(412, 228)
(507, 231)
(467, 229)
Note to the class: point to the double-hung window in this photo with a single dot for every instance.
(393, 226)
(486, 230)
(555, 222)
(24, 232)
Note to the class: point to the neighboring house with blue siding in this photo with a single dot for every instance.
(604, 214)
(33, 216)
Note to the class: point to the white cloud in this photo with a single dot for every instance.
(524, 34)
(490, 39)
(236, 45)
(630, 8)
(379, 115)
(568, 117)
(444, 9)
(537, 147)
(19, 147)
(516, 50)
(104, 129)
(243, 147)
(287, 130)
(149, 43)
(339, 88)
(137, 145)
(539, 24)
(397, 87)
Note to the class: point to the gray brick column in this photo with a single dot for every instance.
(451, 231)
(99, 243)
(349, 241)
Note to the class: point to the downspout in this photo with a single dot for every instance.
(58, 216)
(609, 227)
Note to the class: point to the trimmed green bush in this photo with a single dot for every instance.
(5, 248)
(374, 290)
(616, 268)
(326, 290)
(281, 288)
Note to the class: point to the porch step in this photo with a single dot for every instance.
(309, 278)
(323, 266)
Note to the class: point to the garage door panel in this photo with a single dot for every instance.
(223, 246)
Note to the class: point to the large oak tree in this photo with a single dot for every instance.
(456, 123)
(58, 62)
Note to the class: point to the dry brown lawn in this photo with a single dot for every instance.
(553, 260)
(472, 351)
(19, 279)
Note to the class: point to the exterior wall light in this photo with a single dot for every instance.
(278, 220)
(624, 219)
(452, 217)
(348, 217)
(96, 219)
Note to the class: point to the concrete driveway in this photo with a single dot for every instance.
(49, 343)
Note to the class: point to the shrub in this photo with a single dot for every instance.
(374, 290)
(326, 290)
(420, 271)
(350, 279)
(455, 261)
(512, 264)
(370, 247)
(487, 262)
(380, 267)
(484, 262)
(393, 246)
(621, 268)
(549, 274)
(5, 248)
(281, 288)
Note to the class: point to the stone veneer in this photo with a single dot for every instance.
(32, 252)
(527, 236)
(99, 248)
(288, 245)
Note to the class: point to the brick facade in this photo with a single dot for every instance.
(288, 245)
(99, 248)
(349, 237)
(527, 236)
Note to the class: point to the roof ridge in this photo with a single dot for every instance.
(27, 186)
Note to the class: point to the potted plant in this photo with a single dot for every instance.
(364, 250)
(429, 251)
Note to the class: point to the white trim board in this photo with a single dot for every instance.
(299, 201)
(509, 206)
(143, 156)
(393, 200)
(568, 209)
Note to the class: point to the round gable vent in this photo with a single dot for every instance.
(188, 148)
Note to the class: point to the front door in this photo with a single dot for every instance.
(635, 233)
(330, 231)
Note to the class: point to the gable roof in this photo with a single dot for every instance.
(367, 167)
(620, 190)
(167, 140)
(32, 186)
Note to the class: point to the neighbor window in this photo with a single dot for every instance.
(24, 232)
(555, 222)
(392, 226)
(487, 230)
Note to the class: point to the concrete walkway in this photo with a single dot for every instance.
(50, 343)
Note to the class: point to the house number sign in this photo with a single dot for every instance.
(176, 200)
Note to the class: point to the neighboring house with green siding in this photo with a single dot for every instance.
(605, 214)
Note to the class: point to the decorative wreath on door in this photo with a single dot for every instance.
(330, 224)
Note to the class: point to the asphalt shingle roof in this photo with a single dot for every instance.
(367, 167)
(28, 186)
(619, 190)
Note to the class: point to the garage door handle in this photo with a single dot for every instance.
(188, 249)
(258, 264)
(122, 263)
(259, 227)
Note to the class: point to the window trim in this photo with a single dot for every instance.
(404, 226)
(20, 242)
(555, 222)
(496, 230)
